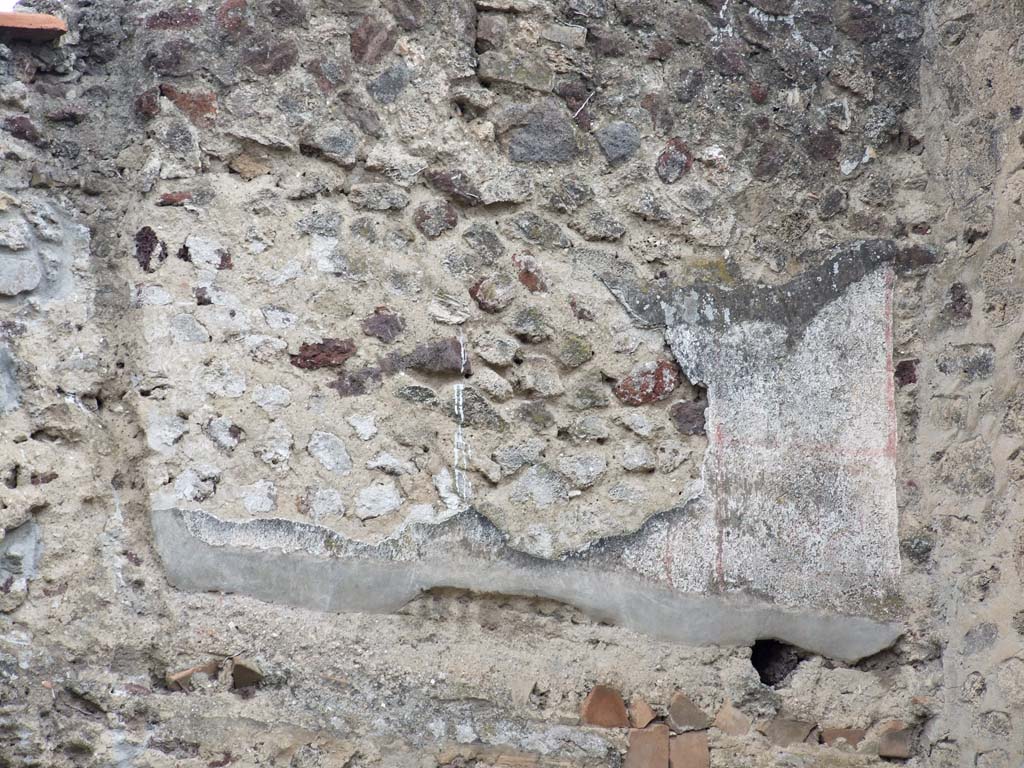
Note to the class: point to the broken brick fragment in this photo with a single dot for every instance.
(197, 106)
(182, 681)
(732, 721)
(648, 748)
(782, 731)
(684, 715)
(851, 736)
(329, 353)
(689, 750)
(245, 674)
(648, 383)
(175, 198)
(34, 27)
(640, 712)
(896, 740)
(604, 707)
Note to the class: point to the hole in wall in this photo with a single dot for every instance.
(774, 661)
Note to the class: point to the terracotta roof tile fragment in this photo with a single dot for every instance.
(36, 27)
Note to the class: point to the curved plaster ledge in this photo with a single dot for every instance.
(312, 567)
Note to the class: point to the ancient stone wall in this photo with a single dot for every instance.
(412, 383)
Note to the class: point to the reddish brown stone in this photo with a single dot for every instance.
(731, 721)
(689, 750)
(408, 13)
(36, 27)
(21, 127)
(493, 293)
(604, 707)
(758, 93)
(197, 106)
(648, 748)
(530, 274)
(68, 113)
(356, 383)
(823, 145)
(906, 372)
(782, 732)
(684, 715)
(329, 74)
(270, 55)
(852, 736)
(233, 19)
(648, 383)
(370, 40)
(147, 247)
(175, 58)
(675, 160)
(688, 417)
(444, 356)
(383, 325)
(436, 218)
(455, 185)
(640, 712)
(174, 18)
(896, 740)
(329, 353)
(580, 311)
(175, 198)
(147, 103)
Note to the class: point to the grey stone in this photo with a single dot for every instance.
(391, 465)
(330, 451)
(546, 135)
(377, 500)
(20, 272)
(378, 197)
(520, 69)
(618, 140)
(389, 84)
(583, 471)
(275, 446)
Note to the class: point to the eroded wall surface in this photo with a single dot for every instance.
(377, 378)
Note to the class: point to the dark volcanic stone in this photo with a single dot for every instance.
(355, 383)
(329, 353)
(618, 141)
(389, 84)
(485, 243)
(547, 135)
